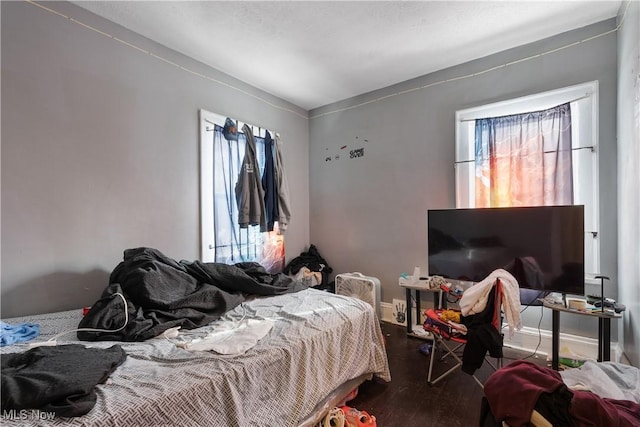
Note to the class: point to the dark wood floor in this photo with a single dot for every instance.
(408, 401)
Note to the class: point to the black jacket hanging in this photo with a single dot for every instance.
(249, 191)
(269, 183)
(482, 336)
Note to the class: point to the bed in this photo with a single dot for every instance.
(319, 347)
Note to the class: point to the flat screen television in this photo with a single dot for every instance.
(542, 247)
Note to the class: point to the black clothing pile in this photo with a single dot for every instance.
(162, 293)
(482, 337)
(311, 260)
(58, 379)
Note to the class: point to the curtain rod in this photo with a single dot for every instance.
(253, 127)
(573, 100)
(590, 147)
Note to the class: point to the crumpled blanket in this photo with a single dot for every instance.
(514, 391)
(162, 293)
(59, 379)
(606, 379)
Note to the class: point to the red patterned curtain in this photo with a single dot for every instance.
(524, 159)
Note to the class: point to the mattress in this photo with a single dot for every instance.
(319, 344)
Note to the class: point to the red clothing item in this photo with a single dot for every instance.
(590, 410)
(513, 391)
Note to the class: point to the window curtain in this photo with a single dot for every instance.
(232, 243)
(524, 159)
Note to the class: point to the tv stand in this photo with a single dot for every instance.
(604, 330)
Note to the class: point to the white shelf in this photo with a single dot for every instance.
(420, 284)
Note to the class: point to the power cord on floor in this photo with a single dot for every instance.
(539, 334)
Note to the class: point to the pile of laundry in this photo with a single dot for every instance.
(310, 268)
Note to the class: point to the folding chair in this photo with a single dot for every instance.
(448, 338)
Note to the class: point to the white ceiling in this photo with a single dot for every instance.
(313, 53)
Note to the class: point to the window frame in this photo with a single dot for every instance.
(207, 170)
(207, 221)
(584, 107)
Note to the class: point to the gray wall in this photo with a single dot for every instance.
(100, 153)
(368, 214)
(629, 175)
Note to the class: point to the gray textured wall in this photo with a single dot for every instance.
(368, 214)
(629, 174)
(100, 153)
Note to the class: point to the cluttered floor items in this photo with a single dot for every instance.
(346, 416)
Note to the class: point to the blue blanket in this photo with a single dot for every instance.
(10, 334)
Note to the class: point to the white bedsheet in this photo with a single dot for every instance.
(318, 342)
(606, 379)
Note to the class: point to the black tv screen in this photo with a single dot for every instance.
(542, 247)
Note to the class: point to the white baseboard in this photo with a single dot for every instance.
(527, 340)
(387, 310)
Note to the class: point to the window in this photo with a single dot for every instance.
(221, 159)
(583, 101)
